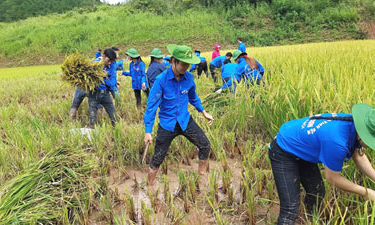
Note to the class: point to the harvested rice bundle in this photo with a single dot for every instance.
(82, 72)
(55, 190)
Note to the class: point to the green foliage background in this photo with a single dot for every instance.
(146, 24)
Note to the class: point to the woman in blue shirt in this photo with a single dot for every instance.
(138, 74)
(330, 139)
(248, 68)
(101, 94)
(156, 66)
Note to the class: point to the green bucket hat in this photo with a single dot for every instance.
(236, 54)
(364, 122)
(156, 53)
(183, 53)
(132, 52)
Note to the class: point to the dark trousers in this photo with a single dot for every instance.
(289, 171)
(165, 137)
(212, 70)
(138, 98)
(103, 98)
(202, 67)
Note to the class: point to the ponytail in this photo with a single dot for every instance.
(251, 62)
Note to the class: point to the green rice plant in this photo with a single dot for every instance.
(154, 200)
(58, 181)
(193, 186)
(219, 218)
(148, 215)
(182, 183)
(213, 192)
(130, 208)
(81, 72)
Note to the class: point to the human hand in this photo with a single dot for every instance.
(370, 194)
(208, 117)
(219, 91)
(143, 86)
(148, 138)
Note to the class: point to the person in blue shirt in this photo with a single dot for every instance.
(156, 66)
(101, 94)
(202, 66)
(171, 93)
(250, 70)
(218, 62)
(229, 76)
(241, 45)
(98, 54)
(330, 139)
(167, 61)
(119, 66)
(137, 72)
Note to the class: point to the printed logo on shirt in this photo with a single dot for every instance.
(184, 92)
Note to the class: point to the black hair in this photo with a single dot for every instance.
(114, 49)
(196, 50)
(152, 60)
(227, 61)
(110, 53)
(99, 50)
(341, 118)
(229, 54)
(239, 38)
(177, 61)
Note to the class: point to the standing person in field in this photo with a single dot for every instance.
(156, 66)
(218, 62)
(216, 52)
(202, 66)
(115, 92)
(330, 139)
(241, 45)
(138, 74)
(98, 54)
(101, 94)
(250, 70)
(171, 93)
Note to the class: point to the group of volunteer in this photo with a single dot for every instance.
(330, 138)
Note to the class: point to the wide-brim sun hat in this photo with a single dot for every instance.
(183, 53)
(132, 52)
(237, 54)
(364, 122)
(157, 53)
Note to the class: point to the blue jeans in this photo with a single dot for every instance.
(103, 98)
(289, 171)
(78, 98)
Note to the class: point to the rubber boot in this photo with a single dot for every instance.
(202, 166)
(151, 176)
(73, 113)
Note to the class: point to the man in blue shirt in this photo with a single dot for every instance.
(218, 62)
(241, 45)
(330, 139)
(202, 66)
(172, 91)
(156, 66)
(101, 94)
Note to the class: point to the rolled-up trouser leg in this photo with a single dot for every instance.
(196, 136)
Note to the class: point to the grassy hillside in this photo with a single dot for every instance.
(147, 24)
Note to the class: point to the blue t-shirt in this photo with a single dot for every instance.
(242, 47)
(330, 142)
(218, 61)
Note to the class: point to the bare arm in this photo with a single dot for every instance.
(363, 164)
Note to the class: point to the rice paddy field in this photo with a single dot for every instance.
(50, 175)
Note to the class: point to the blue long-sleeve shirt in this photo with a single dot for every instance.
(229, 73)
(111, 80)
(218, 61)
(138, 74)
(120, 64)
(172, 97)
(153, 71)
(242, 47)
(166, 63)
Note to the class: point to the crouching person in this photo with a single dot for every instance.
(171, 92)
(330, 139)
(101, 95)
